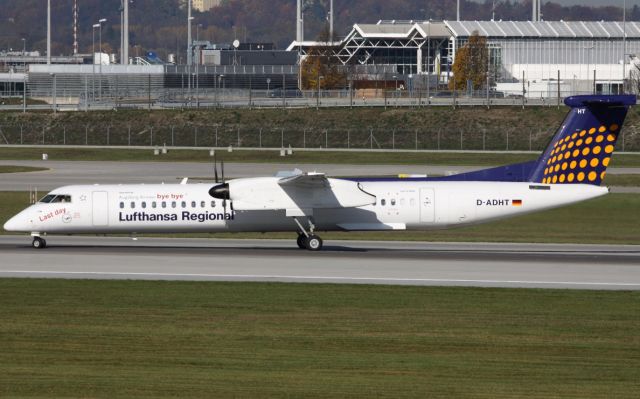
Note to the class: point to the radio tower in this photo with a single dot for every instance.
(75, 27)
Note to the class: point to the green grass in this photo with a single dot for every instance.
(622, 180)
(299, 157)
(19, 169)
(109, 339)
(608, 220)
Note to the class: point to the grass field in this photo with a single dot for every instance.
(19, 169)
(110, 339)
(299, 157)
(612, 219)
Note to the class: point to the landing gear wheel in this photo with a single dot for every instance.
(314, 243)
(302, 241)
(39, 243)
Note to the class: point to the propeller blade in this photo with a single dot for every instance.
(215, 168)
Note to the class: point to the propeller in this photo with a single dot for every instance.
(215, 168)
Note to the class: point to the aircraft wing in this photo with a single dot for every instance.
(307, 180)
(298, 194)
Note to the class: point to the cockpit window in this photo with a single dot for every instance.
(55, 198)
(47, 198)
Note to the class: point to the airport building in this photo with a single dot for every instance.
(535, 50)
(205, 5)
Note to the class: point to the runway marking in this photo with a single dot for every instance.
(319, 278)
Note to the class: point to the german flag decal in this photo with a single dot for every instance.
(516, 202)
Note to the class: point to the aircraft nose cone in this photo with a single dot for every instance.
(14, 224)
(11, 224)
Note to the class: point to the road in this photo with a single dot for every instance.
(63, 173)
(603, 267)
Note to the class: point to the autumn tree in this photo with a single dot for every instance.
(471, 64)
(321, 68)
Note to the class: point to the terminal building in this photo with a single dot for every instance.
(425, 50)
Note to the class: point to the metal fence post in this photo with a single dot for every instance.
(484, 141)
(216, 136)
(304, 138)
(371, 138)
(281, 137)
(195, 136)
(86, 134)
(326, 138)
(21, 134)
(173, 136)
(108, 134)
(260, 138)
(348, 138)
(416, 133)
(529, 140)
(238, 137)
(129, 135)
(507, 140)
(393, 139)
(151, 135)
(43, 128)
(64, 135)
(461, 139)
(438, 140)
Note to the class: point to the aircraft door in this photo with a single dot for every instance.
(100, 208)
(427, 205)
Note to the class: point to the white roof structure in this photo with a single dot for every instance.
(545, 29)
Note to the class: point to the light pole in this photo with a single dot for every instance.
(318, 98)
(55, 106)
(624, 42)
(190, 55)
(189, 43)
(48, 32)
(100, 22)
(93, 66)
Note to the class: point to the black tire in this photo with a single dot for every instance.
(314, 243)
(38, 243)
(302, 241)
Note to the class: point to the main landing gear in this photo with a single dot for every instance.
(39, 243)
(308, 240)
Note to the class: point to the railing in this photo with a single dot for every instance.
(241, 136)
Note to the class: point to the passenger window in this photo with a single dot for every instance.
(122, 205)
(184, 204)
(173, 204)
(383, 202)
(203, 204)
(193, 204)
(133, 205)
(144, 204)
(393, 202)
(153, 204)
(213, 204)
(164, 204)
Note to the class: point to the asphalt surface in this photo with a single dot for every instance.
(63, 173)
(602, 267)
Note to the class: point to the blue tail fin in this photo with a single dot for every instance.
(581, 149)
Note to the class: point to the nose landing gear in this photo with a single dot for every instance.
(39, 243)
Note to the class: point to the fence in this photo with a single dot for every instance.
(431, 138)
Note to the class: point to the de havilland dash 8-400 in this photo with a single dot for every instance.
(568, 171)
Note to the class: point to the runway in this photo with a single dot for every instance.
(602, 267)
(62, 173)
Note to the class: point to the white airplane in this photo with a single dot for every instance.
(570, 170)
